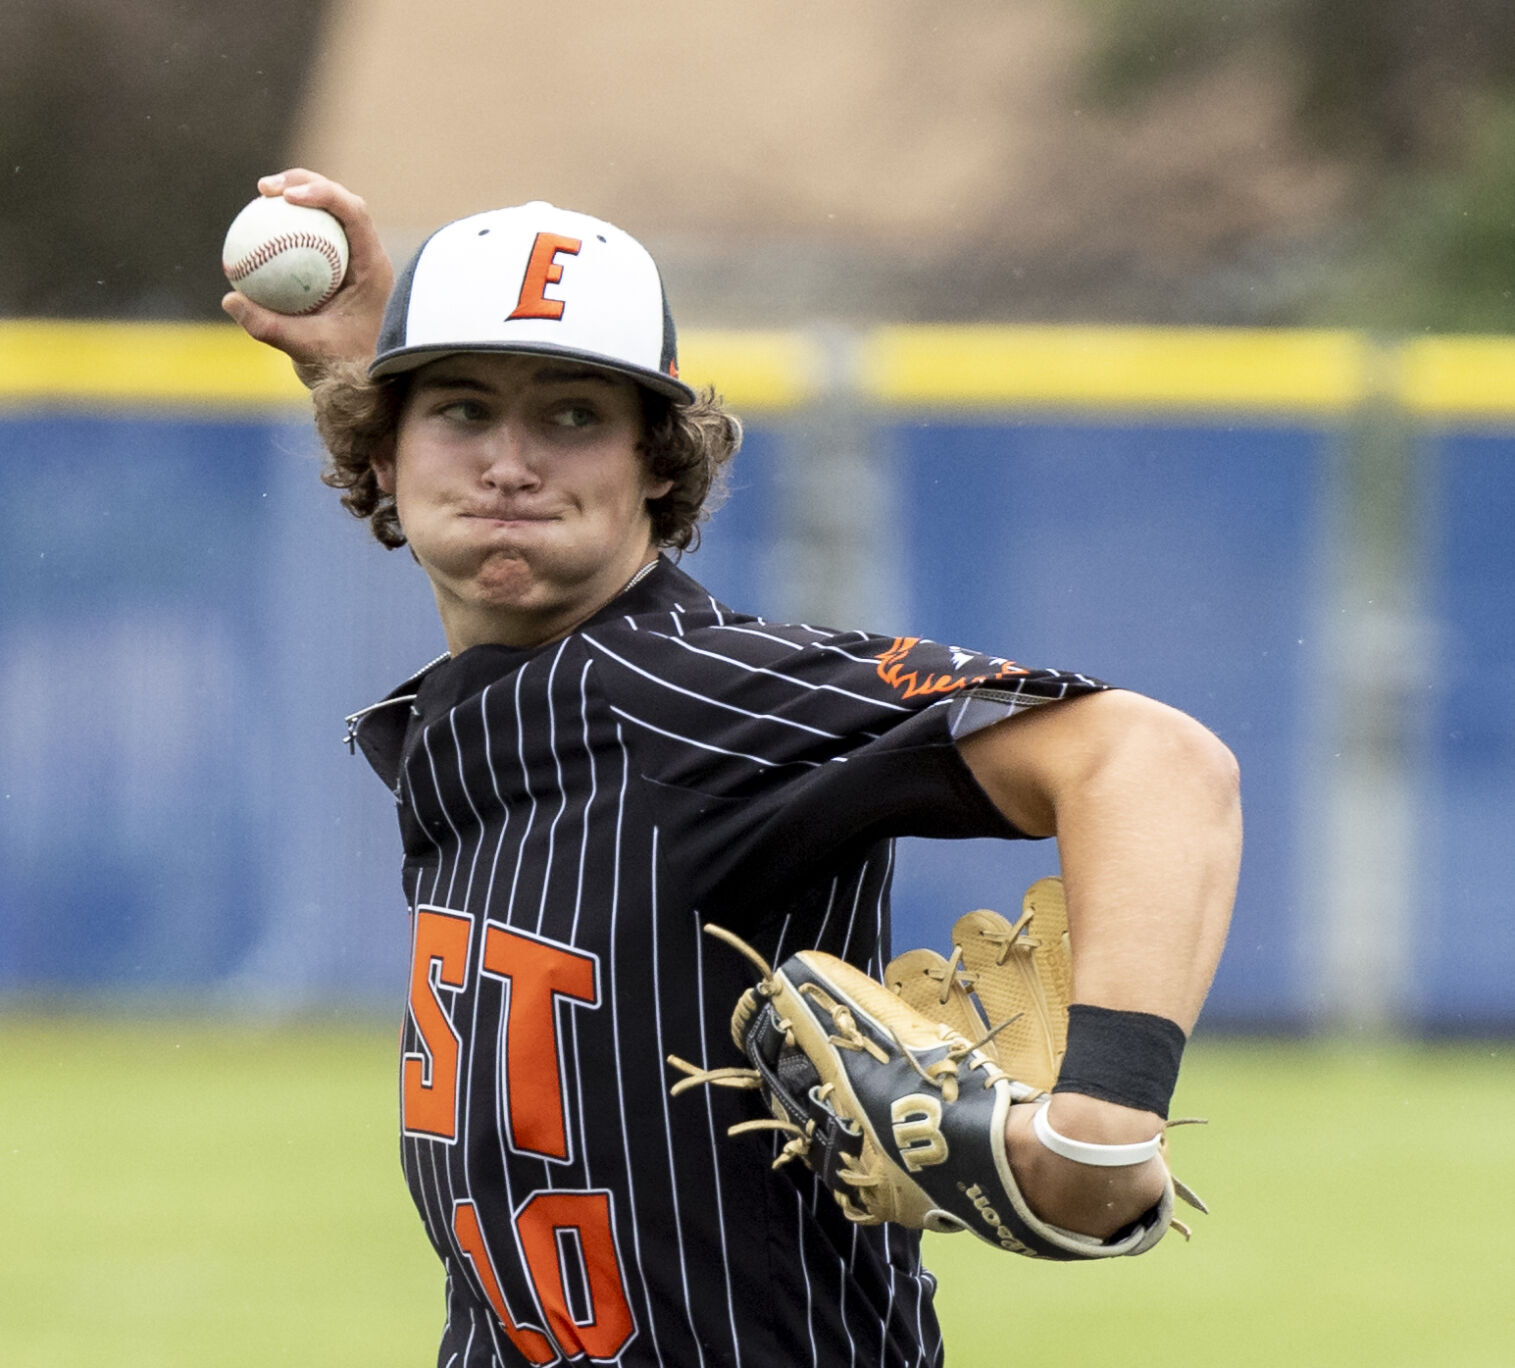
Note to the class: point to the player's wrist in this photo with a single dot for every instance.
(1093, 1121)
(1130, 1059)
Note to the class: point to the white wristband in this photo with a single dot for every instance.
(1083, 1152)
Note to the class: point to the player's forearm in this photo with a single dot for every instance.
(1145, 806)
(1150, 845)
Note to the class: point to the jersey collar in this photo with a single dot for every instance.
(380, 729)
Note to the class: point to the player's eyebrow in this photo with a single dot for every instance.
(451, 381)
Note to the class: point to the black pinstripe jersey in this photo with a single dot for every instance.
(571, 816)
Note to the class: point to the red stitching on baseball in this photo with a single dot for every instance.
(267, 251)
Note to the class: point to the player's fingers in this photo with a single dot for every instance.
(367, 256)
(233, 305)
(319, 192)
(310, 188)
(279, 181)
(262, 325)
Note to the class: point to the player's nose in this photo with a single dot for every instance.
(509, 462)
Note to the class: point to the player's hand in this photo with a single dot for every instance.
(347, 326)
(1079, 1197)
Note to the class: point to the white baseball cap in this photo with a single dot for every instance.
(536, 279)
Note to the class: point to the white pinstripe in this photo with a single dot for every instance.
(883, 1346)
(714, 1138)
(808, 686)
(844, 1285)
(552, 827)
(799, 1211)
(594, 791)
(444, 1201)
(436, 785)
(582, 1112)
(531, 815)
(705, 746)
(615, 1017)
(478, 822)
(657, 1016)
(494, 780)
(714, 702)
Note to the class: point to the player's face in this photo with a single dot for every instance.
(522, 493)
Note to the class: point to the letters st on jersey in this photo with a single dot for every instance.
(540, 979)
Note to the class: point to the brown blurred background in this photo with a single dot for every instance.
(1283, 161)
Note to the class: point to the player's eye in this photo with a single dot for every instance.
(574, 415)
(462, 411)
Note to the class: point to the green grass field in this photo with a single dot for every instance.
(179, 1192)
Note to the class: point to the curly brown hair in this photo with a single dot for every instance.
(690, 444)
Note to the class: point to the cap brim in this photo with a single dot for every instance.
(405, 359)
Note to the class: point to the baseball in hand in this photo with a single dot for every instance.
(287, 257)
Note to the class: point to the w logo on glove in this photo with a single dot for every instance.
(917, 1121)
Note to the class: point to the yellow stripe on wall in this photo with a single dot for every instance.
(177, 364)
(1458, 377)
(210, 366)
(753, 370)
(1140, 368)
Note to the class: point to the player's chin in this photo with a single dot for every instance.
(514, 575)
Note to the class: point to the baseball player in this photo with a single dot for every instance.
(608, 758)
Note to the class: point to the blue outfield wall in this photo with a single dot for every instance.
(161, 611)
(187, 616)
(1178, 560)
(1464, 965)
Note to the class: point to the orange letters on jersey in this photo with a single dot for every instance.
(439, 960)
(539, 973)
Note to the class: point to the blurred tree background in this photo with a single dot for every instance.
(1259, 162)
(1413, 99)
(131, 131)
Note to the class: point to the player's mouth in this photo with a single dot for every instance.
(510, 517)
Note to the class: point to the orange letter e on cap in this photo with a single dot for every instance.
(542, 270)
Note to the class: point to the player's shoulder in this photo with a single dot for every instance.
(669, 624)
(666, 602)
(671, 612)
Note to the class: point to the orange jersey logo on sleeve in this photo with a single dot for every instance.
(917, 683)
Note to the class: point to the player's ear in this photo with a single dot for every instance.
(382, 463)
(655, 411)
